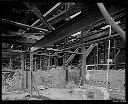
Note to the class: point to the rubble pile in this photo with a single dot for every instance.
(55, 77)
(51, 78)
(12, 83)
(74, 75)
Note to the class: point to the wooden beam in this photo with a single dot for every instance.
(48, 61)
(71, 57)
(92, 41)
(89, 49)
(103, 34)
(10, 64)
(47, 13)
(53, 9)
(43, 54)
(24, 34)
(72, 26)
(24, 20)
(22, 67)
(64, 14)
(23, 25)
(31, 72)
(38, 14)
(83, 62)
(57, 50)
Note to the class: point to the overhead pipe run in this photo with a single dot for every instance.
(110, 20)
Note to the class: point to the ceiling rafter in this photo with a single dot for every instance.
(23, 25)
(64, 14)
(38, 14)
(53, 9)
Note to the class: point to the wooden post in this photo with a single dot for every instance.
(40, 63)
(108, 58)
(25, 86)
(22, 67)
(65, 67)
(31, 71)
(97, 57)
(49, 61)
(56, 61)
(83, 60)
(10, 63)
(114, 54)
(35, 64)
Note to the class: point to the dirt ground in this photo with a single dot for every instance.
(49, 94)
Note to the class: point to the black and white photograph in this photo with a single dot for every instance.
(63, 50)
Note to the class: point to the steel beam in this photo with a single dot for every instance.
(38, 14)
(83, 20)
(23, 25)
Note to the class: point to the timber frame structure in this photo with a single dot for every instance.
(40, 38)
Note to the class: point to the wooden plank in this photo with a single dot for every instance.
(23, 25)
(23, 34)
(38, 14)
(89, 49)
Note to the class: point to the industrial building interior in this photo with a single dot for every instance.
(63, 51)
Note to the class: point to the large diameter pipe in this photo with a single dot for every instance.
(109, 19)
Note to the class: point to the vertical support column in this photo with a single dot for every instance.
(31, 72)
(65, 67)
(114, 54)
(40, 63)
(22, 67)
(83, 60)
(35, 64)
(25, 81)
(108, 57)
(97, 58)
(49, 61)
(106, 51)
(56, 61)
(10, 63)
